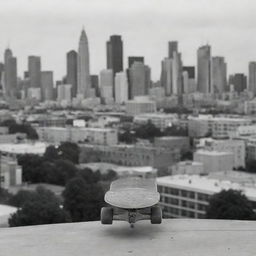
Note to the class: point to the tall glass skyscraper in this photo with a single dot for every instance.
(204, 69)
(72, 71)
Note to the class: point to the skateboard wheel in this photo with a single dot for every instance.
(106, 215)
(156, 215)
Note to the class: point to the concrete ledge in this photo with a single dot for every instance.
(173, 237)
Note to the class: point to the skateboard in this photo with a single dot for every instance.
(132, 199)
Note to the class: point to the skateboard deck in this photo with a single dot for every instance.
(133, 193)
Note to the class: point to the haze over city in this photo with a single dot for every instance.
(51, 28)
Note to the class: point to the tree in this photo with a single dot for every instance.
(42, 207)
(69, 151)
(31, 168)
(51, 153)
(59, 172)
(147, 131)
(230, 204)
(4, 196)
(251, 166)
(82, 200)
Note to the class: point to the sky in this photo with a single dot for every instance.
(50, 28)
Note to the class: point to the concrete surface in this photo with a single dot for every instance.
(172, 237)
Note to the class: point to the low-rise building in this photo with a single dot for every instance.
(10, 172)
(104, 136)
(215, 161)
(172, 142)
(187, 196)
(129, 155)
(237, 147)
(187, 167)
(140, 105)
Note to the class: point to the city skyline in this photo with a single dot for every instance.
(152, 34)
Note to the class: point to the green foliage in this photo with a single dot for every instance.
(230, 204)
(175, 131)
(83, 200)
(147, 131)
(51, 153)
(186, 155)
(251, 166)
(4, 196)
(69, 151)
(21, 128)
(22, 197)
(39, 207)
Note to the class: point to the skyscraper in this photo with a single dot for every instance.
(95, 84)
(238, 81)
(47, 85)
(115, 54)
(34, 70)
(218, 75)
(106, 84)
(139, 79)
(166, 76)
(121, 87)
(189, 82)
(172, 47)
(132, 59)
(10, 74)
(204, 69)
(177, 74)
(72, 71)
(83, 67)
(252, 77)
(1, 75)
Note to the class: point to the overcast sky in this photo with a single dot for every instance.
(50, 28)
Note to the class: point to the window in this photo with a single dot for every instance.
(184, 193)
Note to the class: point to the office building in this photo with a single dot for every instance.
(140, 105)
(83, 67)
(237, 147)
(129, 155)
(71, 77)
(166, 76)
(115, 54)
(218, 75)
(139, 80)
(238, 82)
(97, 136)
(121, 87)
(64, 93)
(252, 77)
(177, 88)
(215, 161)
(11, 77)
(188, 168)
(95, 84)
(106, 84)
(47, 85)
(172, 48)
(133, 59)
(204, 69)
(187, 196)
(34, 71)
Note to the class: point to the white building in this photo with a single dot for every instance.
(187, 196)
(215, 161)
(102, 136)
(121, 87)
(34, 93)
(10, 172)
(187, 167)
(140, 105)
(218, 127)
(237, 147)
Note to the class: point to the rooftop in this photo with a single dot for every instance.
(212, 152)
(206, 184)
(24, 148)
(173, 237)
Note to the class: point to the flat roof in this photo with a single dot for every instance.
(24, 148)
(212, 152)
(205, 184)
